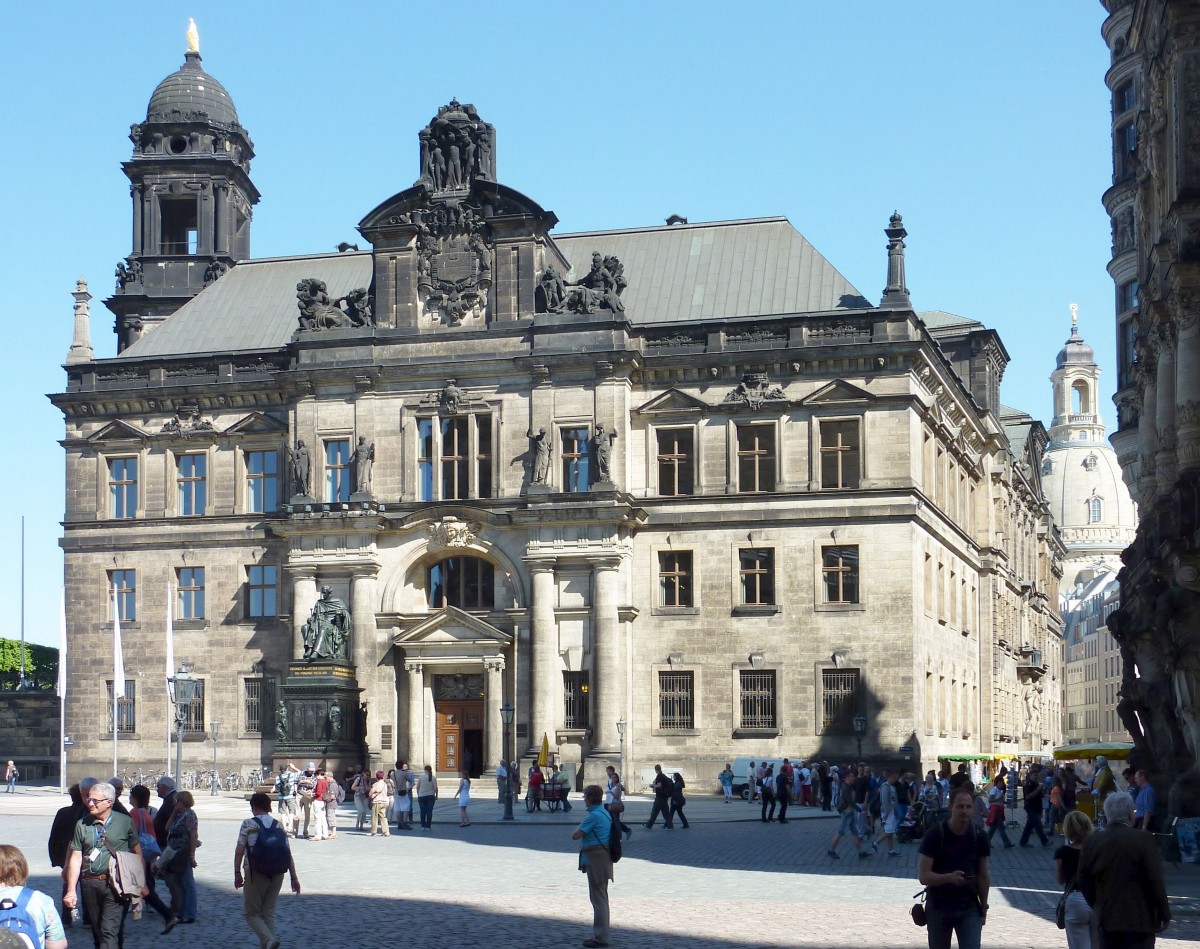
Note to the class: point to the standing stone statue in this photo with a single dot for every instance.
(363, 459)
(327, 630)
(335, 720)
(281, 726)
(541, 456)
(299, 468)
(604, 442)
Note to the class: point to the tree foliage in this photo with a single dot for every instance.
(41, 665)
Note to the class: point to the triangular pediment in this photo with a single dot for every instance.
(118, 431)
(256, 424)
(452, 627)
(838, 392)
(672, 401)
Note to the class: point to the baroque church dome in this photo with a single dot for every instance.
(190, 90)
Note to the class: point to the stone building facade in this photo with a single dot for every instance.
(1154, 81)
(676, 493)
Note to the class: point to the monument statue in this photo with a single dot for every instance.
(335, 720)
(551, 293)
(317, 311)
(299, 468)
(456, 147)
(452, 398)
(326, 632)
(600, 288)
(363, 459)
(603, 441)
(541, 456)
(281, 726)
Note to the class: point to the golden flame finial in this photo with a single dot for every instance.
(193, 37)
(1074, 314)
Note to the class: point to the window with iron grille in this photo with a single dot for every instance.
(126, 708)
(756, 458)
(839, 573)
(675, 578)
(676, 701)
(575, 700)
(756, 571)
(841, 461)
(193, 489)
(337, 470)
(576, 455)
(259, 704)
(193, 720)
(675, 462)
(839, 698)
(758, 698)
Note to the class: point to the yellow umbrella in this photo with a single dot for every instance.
(544, 754)
(1117, 750)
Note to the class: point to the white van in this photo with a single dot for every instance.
(743, 780)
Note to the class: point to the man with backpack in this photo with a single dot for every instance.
(663, 788)
(285, 790)
(262, 848)
(25, 912)
(596, 860)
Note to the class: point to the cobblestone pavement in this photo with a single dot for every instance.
(728, 881)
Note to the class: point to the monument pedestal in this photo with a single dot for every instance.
(319, 705)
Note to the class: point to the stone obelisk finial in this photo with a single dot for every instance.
(896, 291)
(81, 343)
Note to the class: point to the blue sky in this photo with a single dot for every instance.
(986, 125)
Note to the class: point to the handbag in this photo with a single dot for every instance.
(918, 910)
(1060, 911)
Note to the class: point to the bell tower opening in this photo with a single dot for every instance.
(180, 226)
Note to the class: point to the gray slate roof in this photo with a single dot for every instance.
(728, 269)
(940, 320)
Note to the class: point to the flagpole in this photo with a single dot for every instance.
(170, 670)
(118, 675)
(62, 693)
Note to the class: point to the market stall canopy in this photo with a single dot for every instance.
(1090, 749)
(966, 756)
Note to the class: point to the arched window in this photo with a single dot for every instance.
(1095, 511)
(1081, 403)
(465, 582)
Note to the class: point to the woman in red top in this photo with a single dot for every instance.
(536, 780)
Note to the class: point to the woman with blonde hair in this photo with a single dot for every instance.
(14, 871)
(1082, 925)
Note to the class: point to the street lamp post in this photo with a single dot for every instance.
(860, 729)
(183, 689)
(621, 723)
(506, 716)
(214, 727)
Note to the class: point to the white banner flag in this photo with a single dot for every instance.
(118, 658)
(170, 666)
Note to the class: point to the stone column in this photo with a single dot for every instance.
(139, 199)
(362, 615)
(1187, 376)
(606, 658)
(494, 697)
(1164, 419)
(221, 216)
(304, 598)
(547, 678)
(417, 751)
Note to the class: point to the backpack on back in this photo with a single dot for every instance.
(270, 855)
(15, 917)
(614, 840)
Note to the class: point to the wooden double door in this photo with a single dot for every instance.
(460, 736)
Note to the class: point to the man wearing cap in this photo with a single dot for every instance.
(306, 789)
(379, 795)
(285, 789)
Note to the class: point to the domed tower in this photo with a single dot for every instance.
(192, 197)
(1080, 473)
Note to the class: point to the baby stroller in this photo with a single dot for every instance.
(913, 825)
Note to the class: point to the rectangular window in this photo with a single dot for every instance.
(675, 578)
(675, 462)
(193, 493)
(258, 704)
(841, 457)
(262, 591)
(1123, 98)
(839, 698)
(122, 487)
(126, 708)
(483, 457)
(756, 570)
(575, 698)
(1127, 296)
(125, 582)
(425, 459)
(758, 699)
(839, 572)
(262, 481)
(337, 470)
(1125, 147)
(576, 448)
(191, 593)
(193, 719)
(756, 458)
(454, 459)
(676, 701)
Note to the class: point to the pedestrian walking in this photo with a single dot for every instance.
(143, 823)
(725, 779)
(178, 861)
(361, 787)
(826, 781)
(1035, 792)
(1144, 801)
(59, 843)
(334, 795)
(11, 776)
(615, 801)
(378, 795)
(427, 792)
(847, 809)
(97, 836)
(756, 776)
(320, 814)
(594, 860)
(767, 791)
(1082, 925)
(47, 929)
(501, 780)
(953, 866)
(783, 790)
(678, 800)
(463, 794)
(306, 790)
(889, 811)
(995, 817)
(260, 860)
(285, 791)
(663, 788)
(1121, 877)
(404, 802)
